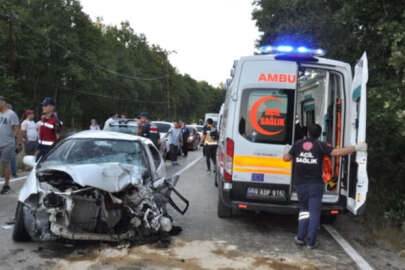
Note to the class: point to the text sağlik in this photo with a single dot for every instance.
(306, 158)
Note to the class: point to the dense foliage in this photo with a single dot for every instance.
(346, 29)
(89, 68)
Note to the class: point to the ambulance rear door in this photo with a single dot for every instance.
(264, 125)
(358, 178)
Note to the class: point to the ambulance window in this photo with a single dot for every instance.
(267, 115)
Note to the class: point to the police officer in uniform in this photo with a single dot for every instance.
(210, 139)
(49, 127)
(307, 156)
(147, 130)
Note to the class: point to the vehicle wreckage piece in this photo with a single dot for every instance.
(104, 202)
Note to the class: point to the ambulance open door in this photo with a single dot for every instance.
(358, 178)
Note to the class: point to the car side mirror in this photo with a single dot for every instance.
(30, 161)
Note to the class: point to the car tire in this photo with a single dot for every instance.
(20, 233)
(328, 219)
(222, 210)
(216, 179)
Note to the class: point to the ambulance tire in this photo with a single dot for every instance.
(328, 219)
(216, 179)
(222, 210)
(20, 233)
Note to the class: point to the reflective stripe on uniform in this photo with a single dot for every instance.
(303, 215)
(46, 142)
(211, 143)
(46, 125)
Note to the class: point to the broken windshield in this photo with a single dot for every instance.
(87, 151)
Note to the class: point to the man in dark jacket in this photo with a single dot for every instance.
(185, 133)
(308, 156)
(147, 130)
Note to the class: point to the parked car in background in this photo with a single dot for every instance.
(194, 139)
(199, 129)
(96, 186)
(163, 128)
(128, 126)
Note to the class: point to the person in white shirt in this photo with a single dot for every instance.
(29, 131)
(109, 120)
(94, 125)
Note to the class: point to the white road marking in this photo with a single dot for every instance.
(191, 164)
(357, 258)
(14, 179)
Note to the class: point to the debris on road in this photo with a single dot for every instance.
(185, 255)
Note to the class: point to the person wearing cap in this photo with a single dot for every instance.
(147, 130)
(10, 140)
(49, 127)
(29, 132)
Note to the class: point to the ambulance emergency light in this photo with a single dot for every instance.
(288, 49)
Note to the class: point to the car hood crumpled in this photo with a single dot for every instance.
(110, 177)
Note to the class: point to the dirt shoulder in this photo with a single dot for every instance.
(382, 248)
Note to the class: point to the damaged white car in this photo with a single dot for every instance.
(97, 185)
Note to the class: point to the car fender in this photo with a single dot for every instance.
(30, 187)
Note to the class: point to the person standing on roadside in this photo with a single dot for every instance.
(29, 133)
(185, 132)
(175, 142)
(94, 125)
(113, 117)
(210, 139)
(13, 161)
(49, 127)
(307, 156)
(147, 130)
(10, 140)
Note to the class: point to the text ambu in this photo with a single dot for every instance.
(282, 78)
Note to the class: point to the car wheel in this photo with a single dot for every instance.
(20, 233)
(222, 210)
(328, 219)
(216, 178)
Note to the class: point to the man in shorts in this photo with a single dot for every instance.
(9, 131)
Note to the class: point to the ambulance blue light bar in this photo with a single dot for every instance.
(288, 49)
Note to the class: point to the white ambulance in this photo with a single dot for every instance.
(270, 102)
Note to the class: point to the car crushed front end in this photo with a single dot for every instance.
(95, 201)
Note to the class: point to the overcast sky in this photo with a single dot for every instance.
(207, 34)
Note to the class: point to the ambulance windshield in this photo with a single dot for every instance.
(267, 115)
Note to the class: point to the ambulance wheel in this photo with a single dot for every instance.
(222, 210)
(216, 179)
(20, 233)
(328, 219)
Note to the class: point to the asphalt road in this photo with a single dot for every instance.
(246, 241)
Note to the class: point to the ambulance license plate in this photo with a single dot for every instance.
(265, 193)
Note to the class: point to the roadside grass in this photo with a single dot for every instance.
(382, 228)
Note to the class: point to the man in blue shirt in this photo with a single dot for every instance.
(175, 141)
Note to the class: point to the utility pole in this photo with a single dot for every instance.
(167, 85)
(10, 47)
(167, 81)
(10, 58)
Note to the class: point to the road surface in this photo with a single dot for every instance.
(246, 241)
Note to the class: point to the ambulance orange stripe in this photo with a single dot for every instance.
(260, 171)
(263, 162)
